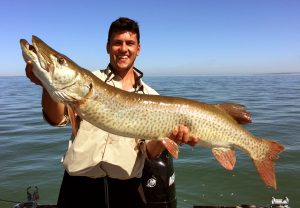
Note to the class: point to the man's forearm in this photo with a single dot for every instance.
(54, 111)
(154, 148)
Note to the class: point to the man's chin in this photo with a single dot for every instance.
(123, 67)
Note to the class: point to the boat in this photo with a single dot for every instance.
(32, 202)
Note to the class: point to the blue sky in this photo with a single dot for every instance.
(177, 37)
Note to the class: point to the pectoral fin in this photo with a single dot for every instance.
(73, 120)
(225, 156)
(171, 146)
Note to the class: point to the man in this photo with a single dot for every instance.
(104, 170)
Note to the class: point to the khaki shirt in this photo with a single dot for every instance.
(95, 153)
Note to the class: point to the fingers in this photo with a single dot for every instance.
(181, 135)
(193, 141)
(28, 69)
(184, 134)
(30, 74)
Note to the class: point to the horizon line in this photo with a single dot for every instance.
(193, 74)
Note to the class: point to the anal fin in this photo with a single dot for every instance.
(225, 156)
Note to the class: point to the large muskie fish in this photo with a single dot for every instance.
(146, 116)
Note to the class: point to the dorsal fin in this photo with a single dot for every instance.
(236, 111)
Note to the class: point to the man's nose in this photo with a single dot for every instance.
(123, 47)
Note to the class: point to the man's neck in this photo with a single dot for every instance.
(128, 80)
(127, 77)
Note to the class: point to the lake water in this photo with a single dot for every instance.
(30, 149)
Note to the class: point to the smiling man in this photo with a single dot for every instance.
(123, 48)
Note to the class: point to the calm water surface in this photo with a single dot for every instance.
(30, 149)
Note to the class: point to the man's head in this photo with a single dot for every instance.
(123, 44)
(124, 24)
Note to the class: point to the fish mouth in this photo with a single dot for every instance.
(29, 47)
(32, 54)
(40, 53)
(29, 52)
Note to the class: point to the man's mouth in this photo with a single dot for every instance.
(123, 57)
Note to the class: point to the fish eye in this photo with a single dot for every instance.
(60, 60)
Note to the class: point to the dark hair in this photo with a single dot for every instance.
(124, 24)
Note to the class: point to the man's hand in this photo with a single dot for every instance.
(54, 112)
(181, 136)
(30, 74)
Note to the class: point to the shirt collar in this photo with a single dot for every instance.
(138, 86)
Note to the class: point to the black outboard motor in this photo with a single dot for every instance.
(158, 182)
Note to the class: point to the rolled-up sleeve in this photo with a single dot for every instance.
(62, 123)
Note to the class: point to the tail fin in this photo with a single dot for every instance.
(265, 167)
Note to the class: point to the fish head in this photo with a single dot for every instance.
(62, 78)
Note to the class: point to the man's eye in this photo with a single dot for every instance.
(130, 43)
(117, 43)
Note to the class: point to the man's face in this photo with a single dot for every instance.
(123, 48)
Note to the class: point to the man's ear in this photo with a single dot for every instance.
(139, 49)
(107, 48)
